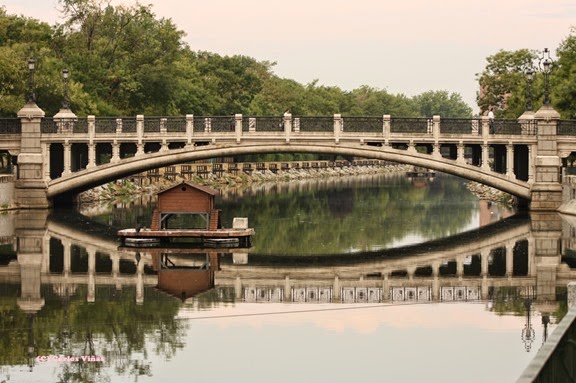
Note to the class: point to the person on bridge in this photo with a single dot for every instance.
(491, 120)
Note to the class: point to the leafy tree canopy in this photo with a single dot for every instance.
(123, 60)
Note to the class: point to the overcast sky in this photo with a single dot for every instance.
(403, 46)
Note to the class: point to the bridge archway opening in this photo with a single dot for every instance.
(128, 149)
(103, 153)
(79, 156)
(152, 147)
(56, 160)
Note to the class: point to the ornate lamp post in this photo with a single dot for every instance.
(31, 97)
(528, 332)
(66, 101)
(529, 72)
(545, 64)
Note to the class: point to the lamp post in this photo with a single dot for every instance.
(545, 64)
(528, 332)
(31, 97)
(529, 72)
(66, 101)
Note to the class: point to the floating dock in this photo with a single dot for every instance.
(221, 237)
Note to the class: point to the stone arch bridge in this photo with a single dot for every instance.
(61, 156)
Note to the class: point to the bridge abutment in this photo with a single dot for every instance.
(30, 187)
(546, 190)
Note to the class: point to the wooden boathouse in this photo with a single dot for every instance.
(187, 210)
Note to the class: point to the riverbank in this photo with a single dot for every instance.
(130, 187)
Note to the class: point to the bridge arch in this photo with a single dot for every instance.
(71, 184)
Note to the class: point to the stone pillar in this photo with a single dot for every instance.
(460, 156)
(547, 234)
(338, 126)
(30, 229)
(485, 158)
(510, 161)
(115, 152)
(47, 162)
(546, 189)
(237, 127)
(67, 158)
(571, 295)
(30, 186)
(386, 121)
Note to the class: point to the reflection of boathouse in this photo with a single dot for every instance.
(185, 275)
(186, 205)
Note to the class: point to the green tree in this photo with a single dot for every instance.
(503, 82)
(443, 104)
(563, 83)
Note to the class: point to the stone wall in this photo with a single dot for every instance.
(6, 190)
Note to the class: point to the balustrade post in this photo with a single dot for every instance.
(338, 127)
(91, 146)
(485, 127)
(238, 127)
(436, 128)
(287, 121)
(140, 135)
(189, 129)
(386, 128)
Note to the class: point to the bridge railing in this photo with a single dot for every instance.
(191, 125)
(411, 125)
(460, 126)
(566, 128)
(313, 124)
(363, 124)
(513, 127)
(10, 126)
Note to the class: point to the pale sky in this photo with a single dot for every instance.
(402, 46)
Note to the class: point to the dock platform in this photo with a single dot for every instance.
(243, 236)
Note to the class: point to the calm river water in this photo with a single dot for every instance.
(362, 279)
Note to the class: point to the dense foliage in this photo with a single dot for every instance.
(505, 86)
(123, 60)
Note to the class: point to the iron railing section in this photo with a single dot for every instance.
(316, 124)
(528, 127)
(48, 125)
(459, 125)
(199, 124)
(10, 126)
(80, 126)
(176, 124)
(566, 128)
(129, 125)
(411, 125)
(105, 125)
(222, 124)
(246, 123)
(507, 127)
(363, 124)
(151, 124)
(267, 124)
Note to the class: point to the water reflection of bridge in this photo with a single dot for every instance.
(518, 257)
